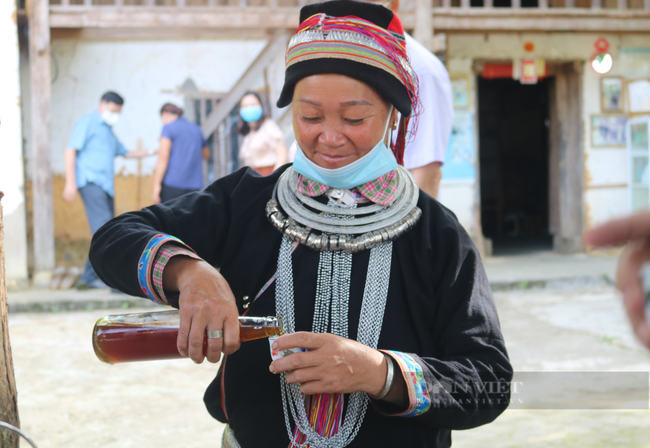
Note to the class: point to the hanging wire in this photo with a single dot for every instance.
(18, 431)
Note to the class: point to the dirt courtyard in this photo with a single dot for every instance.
(68, 399)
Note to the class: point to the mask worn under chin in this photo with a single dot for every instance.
(110, 118)
(250, 113)
(379, 161)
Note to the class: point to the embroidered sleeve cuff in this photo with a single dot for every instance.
(419, 399)
(153, 261)
(166, 252)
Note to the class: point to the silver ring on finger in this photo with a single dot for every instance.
(215, 334)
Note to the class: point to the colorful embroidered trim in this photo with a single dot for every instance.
(165, 253)
(419, 400)
(325, 413)
(380, 191)
(342, 50)
(310, 187)
(367, 41)
(145, 265)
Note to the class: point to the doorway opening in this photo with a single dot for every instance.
(514, 165)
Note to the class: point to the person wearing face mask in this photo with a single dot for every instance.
(182, 147)
(89, 168)
(262, 148)
(392, 337)
(425, 149)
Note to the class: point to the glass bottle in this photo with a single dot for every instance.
(152, 336)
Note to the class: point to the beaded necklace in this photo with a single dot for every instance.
(319, 419)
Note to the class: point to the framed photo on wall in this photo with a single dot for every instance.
(460, 90)
(608, 131)
(611, 94)
(638, 93)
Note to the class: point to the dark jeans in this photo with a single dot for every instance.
(100, 208)
(168, 193)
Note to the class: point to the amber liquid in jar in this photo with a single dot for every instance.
(153, 336)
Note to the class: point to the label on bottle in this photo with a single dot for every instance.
(275, 354)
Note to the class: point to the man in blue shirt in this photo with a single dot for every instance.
(182, 147)
(89, 168)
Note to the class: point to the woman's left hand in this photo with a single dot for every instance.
(333, 364)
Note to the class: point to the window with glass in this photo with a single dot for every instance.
(638, 152)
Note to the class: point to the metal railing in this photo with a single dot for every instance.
(181, 3)
(406, 6)
(12, 428)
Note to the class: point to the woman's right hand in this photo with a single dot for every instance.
(206, 303)
(634, 231)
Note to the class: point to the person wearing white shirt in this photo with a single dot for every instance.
(425, 152)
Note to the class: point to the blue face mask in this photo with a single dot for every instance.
(379, 161)
(250, 113)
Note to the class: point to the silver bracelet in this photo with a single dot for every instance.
(390, 376)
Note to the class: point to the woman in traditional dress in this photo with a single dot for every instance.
(381, 285)
(262, 148)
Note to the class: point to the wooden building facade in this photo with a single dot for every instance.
(521, 167)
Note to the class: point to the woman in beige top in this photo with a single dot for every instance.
(262, 148)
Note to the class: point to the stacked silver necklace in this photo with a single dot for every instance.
(333, 283)
(373, 225)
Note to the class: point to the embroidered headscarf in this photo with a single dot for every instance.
(357, 39)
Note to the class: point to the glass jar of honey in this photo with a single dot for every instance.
(152, 336)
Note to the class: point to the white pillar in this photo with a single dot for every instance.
(12, 181)
(41, 166)
(423, 31)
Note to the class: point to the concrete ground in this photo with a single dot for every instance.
(566, 320)
(67, 398)
(540, 268)
(567, 329)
